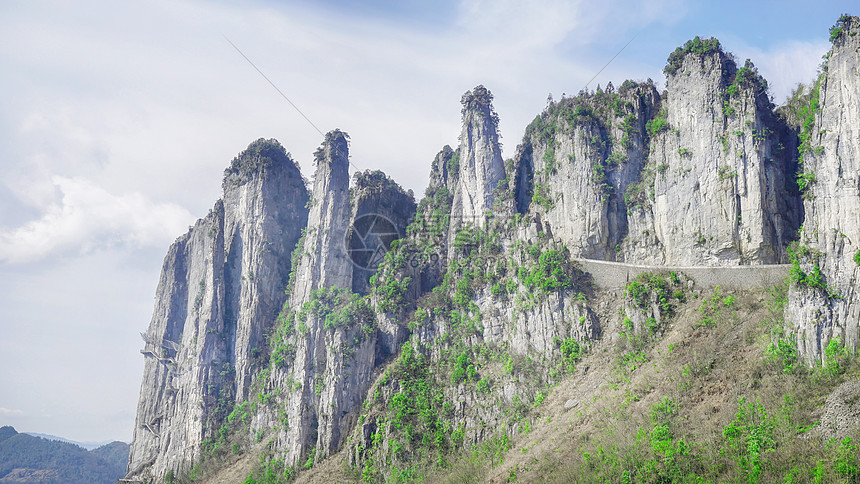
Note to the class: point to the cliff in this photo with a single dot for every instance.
(477, 167)
(696, 176)
(329, 338)
(221, 287)
(352, 322)
(824, 301)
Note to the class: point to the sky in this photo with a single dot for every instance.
(117, 120)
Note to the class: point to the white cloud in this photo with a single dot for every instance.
(124, 115)
(88, 217)
(9, 411)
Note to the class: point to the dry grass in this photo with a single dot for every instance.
(705, 370)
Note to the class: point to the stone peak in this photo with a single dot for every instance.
(479, 101)
(698, 47)
(375, 182)
(846, 26)
(334, 148)
(260, 155)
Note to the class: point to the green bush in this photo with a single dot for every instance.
(338, 307)
(464, 370)
(847, 460)
(553, 271)
(798, 253)
(659, 124)
(784, 353)
(571, 352)
(648, 283)
(747, 77)
(843, 23)
(542, 196)
(750, 436)
(835, 356)
(698, 46)
(392, 293)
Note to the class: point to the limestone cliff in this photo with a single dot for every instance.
(324, 261)
(380, 212)
(350, 318)
(329, 338)
(220, 289)
(577, 161)
(720, 193)
(696, 176)
(824, 301)
(477, 167)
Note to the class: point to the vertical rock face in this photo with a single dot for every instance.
(478, 162)
(719, 188)
(331, 333)
(264, 213)
(325, 261)
(324, 264)
(578, 160)
(697, 177)
(220, 289)
(381, 210)
(441, 174)
(831, 229)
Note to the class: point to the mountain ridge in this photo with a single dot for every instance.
(268, 329)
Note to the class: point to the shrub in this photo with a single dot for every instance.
(553, 271)
(747, 76)
(571, 352)
(542, 196)
(648, 283)
(750, 436)
(464, 370)
(659, 124)
(843, 23)
(338, 307)
(798, 253)
(698, 46)
(392, 294)
(784, 353)
(835, 355)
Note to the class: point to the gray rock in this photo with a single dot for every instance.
(832, 224)
(221, 287)
(709, 190)
(318, 392)
(479, 160)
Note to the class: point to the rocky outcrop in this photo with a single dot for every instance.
(380, 212)
(477, 167)
(697, 176)
(328, 341)
(577, 161)
(220, 289)
(824, 307)
(719, 190)
(324, 259)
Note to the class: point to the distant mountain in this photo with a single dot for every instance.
(85, 445)
(28, 459)
(115, 454)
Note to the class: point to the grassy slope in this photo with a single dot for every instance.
(703, 364)
(609, 436)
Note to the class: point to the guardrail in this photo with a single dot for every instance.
(616, 275)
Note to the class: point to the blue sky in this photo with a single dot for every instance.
(118, 119)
